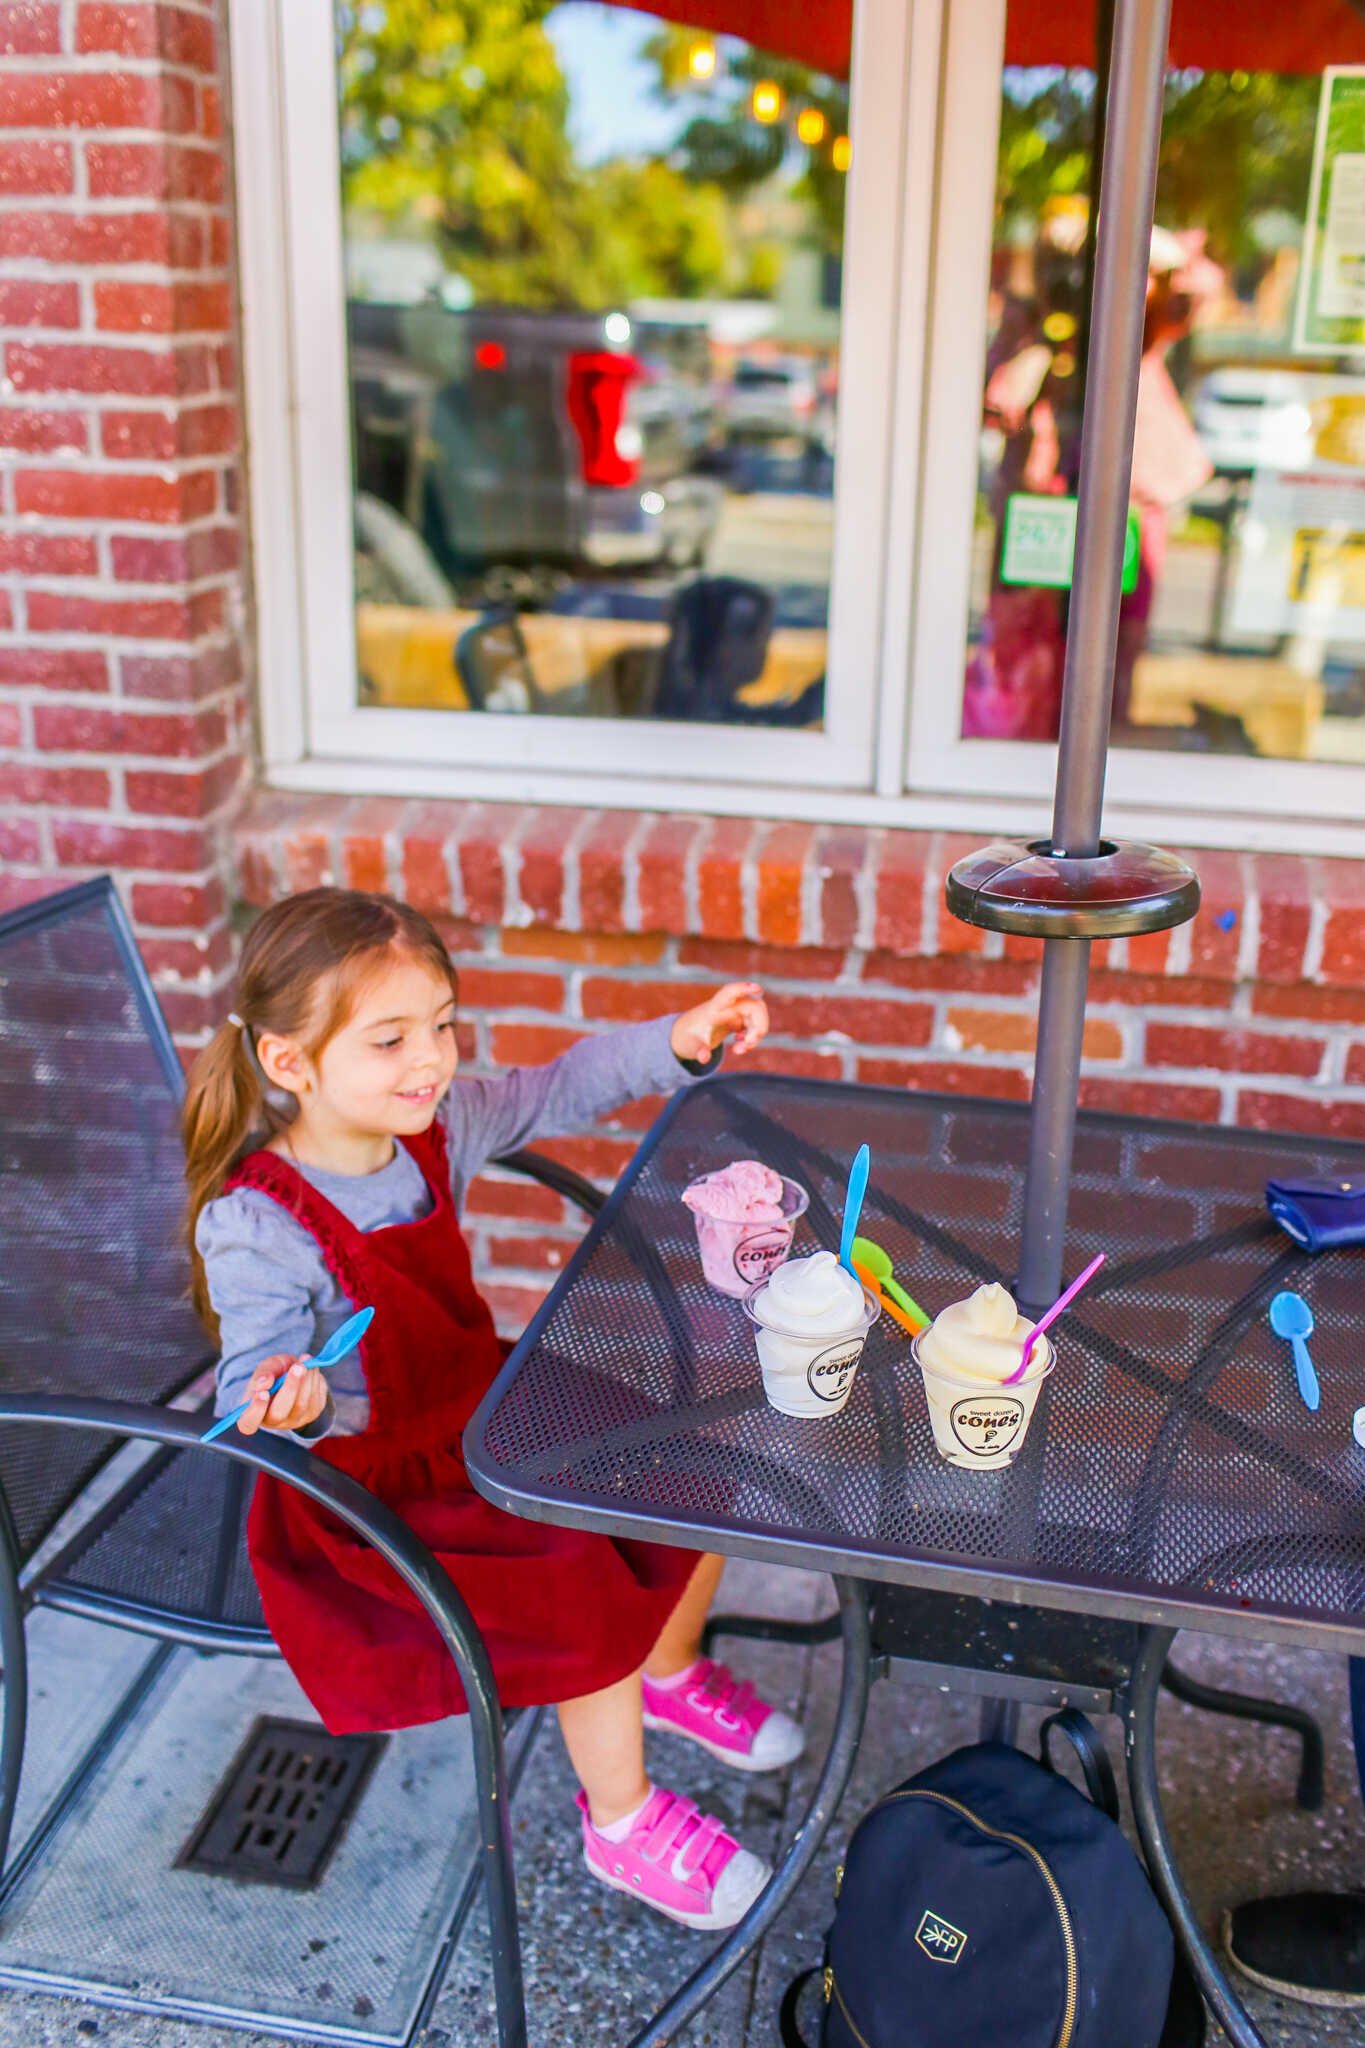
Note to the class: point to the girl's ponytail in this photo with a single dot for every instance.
(224, 1106)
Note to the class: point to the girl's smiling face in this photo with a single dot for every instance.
(391, 1062)
(382, 1073)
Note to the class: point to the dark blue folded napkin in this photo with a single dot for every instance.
(1318, 1214)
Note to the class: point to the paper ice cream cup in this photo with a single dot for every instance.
(737, 1255)
(810, 1372)
(981, 1424)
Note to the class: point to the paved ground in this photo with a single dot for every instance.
(596, 1967)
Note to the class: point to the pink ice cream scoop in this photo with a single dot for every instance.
(745, 1215)
(744, 1192)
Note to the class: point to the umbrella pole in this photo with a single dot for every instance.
(1126, 201)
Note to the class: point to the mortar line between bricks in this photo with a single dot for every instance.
(1249, 931)
(86, 466)
(83, 64)
(515, 912)
(748, 883)
(1112, 1010)
(630, 871)
(1180, 952)
(571, 898)
(23, 398)
(1317, 923)
(814, 875)
(116, 589)
(865, 891)
(117, 204)
(931, 899)
(450, 855)
(691, 867)
(171, 764)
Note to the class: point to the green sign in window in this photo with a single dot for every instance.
(1329, 314)
(1040, 543)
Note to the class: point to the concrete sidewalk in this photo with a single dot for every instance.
(597, 1966)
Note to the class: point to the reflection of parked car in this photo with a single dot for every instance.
(508, 436)
(1251, 419)
(771, 396)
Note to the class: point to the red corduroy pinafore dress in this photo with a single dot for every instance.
(563, 1613)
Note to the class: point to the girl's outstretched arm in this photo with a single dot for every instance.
(488, 1114)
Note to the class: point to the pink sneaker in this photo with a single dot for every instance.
(679, 1861)
(709, 1706)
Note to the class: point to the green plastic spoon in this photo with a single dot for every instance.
(878, 1263)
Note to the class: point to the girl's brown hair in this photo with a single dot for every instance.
(302, 964)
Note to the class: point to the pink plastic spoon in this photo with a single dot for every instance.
(1045, 1322)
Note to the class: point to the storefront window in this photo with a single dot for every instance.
(594, 275)
(1243, 623)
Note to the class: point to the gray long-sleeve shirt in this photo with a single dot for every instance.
(269, 1286)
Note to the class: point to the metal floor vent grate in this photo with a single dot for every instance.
(280, 1811)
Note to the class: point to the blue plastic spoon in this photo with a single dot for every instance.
(1291, 1317)
(853, 1206)
(333, 1351)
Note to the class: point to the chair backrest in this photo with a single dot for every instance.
(720, 629)
(93, 1272)
(492, 662)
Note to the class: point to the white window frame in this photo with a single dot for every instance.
(288, 175)
(926, 89)
(1291, 804)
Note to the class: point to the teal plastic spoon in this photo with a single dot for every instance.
(333, 1351)
(1291, 1317)
(853, 1206)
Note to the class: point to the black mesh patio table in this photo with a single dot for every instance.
(1171, 1477)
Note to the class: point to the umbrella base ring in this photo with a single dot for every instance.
(1017, 885)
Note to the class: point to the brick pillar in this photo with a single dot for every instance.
(123, 713)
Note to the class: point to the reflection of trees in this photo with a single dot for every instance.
(1234, 145)
(454, 123)
(455, 126)
(722, 143)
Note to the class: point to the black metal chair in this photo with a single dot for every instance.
(719, 631)
(497, 673)
(97, 1339)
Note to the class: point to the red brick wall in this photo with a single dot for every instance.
(568, 922)
(122, 696)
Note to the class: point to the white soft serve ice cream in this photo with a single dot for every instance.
(967, 1355)
(813, 1318)
(810, 1297)
(981, 1338)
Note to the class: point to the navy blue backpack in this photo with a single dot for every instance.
(987, 1900)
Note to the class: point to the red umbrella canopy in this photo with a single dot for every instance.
(1206, 35)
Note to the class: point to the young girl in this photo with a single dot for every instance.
(327, 1157)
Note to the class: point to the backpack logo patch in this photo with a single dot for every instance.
(940, 1940)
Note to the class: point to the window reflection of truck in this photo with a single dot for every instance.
(505, 436)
